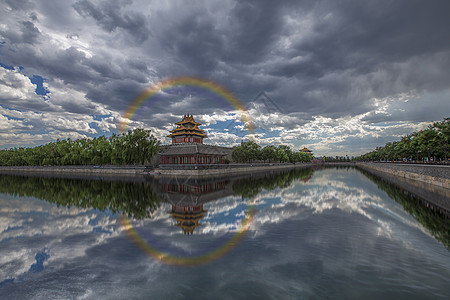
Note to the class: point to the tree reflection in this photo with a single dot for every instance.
(134, 199)
(250, 187)
(139, 199)
(437, 221)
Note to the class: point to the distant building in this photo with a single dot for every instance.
(188, 149)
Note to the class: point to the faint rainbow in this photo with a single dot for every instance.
(192, 260)
(183, 81)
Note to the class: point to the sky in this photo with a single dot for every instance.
(337, 77)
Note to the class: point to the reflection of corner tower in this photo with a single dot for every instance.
(187, 197)
(187, 131)
(187, 217)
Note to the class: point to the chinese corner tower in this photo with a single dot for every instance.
(188, 151)
(187, 131)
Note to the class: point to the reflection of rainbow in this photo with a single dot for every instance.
(182, 81)
(193, 260)
(127, 117)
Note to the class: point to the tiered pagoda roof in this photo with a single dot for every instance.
(306, 150)
(187, 127)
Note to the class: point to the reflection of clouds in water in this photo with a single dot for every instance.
(303, 244)
(384, 229)
(57, 227)
(323, 192)
(29, 225)
(160, 215)
(332, 190)
(224, 216)
(222, 222)
(222, 205)
(15, 263)
(319, 200)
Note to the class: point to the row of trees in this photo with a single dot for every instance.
(431, 144)
(132, 147)
(250, 151)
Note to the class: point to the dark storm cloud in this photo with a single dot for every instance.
(349, 53)
(356, 41)
(117, 94)
(362, 35)
(255, 27)
(334, 63)
(109, 16)
(314, 58)
(201, 41)
(435, 108)
(68, 64)
(104, 82)
(19, 4)
(28, 34)
(192, 41)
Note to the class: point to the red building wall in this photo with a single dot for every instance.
(184, 140)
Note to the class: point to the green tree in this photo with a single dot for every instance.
(268, 153)
(133, 147)
(303, 157)
(281, 154)
(246, 152)
(431, 143)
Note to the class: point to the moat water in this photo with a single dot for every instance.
(304, 234)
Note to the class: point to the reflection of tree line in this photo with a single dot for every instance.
(250, 187)
(139, 199)
(136, 199)
(437, 223)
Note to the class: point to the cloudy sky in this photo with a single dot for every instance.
(340, 77)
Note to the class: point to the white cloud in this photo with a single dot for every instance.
(29, 119)
(217, 116)
(16, 88)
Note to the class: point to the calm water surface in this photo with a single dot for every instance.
(305, 234)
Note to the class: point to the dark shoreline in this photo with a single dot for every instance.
(141, 170)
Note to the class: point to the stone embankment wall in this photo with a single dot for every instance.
(434, 176)
(229, 171)
(85, 170)
(141, 170)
